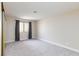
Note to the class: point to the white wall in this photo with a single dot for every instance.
(34, 29)
(62, 30)
(10, 29)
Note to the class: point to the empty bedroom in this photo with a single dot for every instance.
(40, 28)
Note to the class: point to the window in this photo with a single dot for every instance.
(23, 27)
(26, 27)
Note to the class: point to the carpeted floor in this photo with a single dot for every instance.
(36, 48)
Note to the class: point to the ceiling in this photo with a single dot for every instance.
(38, 10)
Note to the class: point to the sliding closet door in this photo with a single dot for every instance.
(0, 29)
(3, 33)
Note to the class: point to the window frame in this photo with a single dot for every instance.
(24, 30)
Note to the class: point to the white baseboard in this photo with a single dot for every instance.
(64, 46)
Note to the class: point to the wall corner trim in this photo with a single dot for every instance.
(60, 45)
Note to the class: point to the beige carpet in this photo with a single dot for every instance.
(36, 48)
